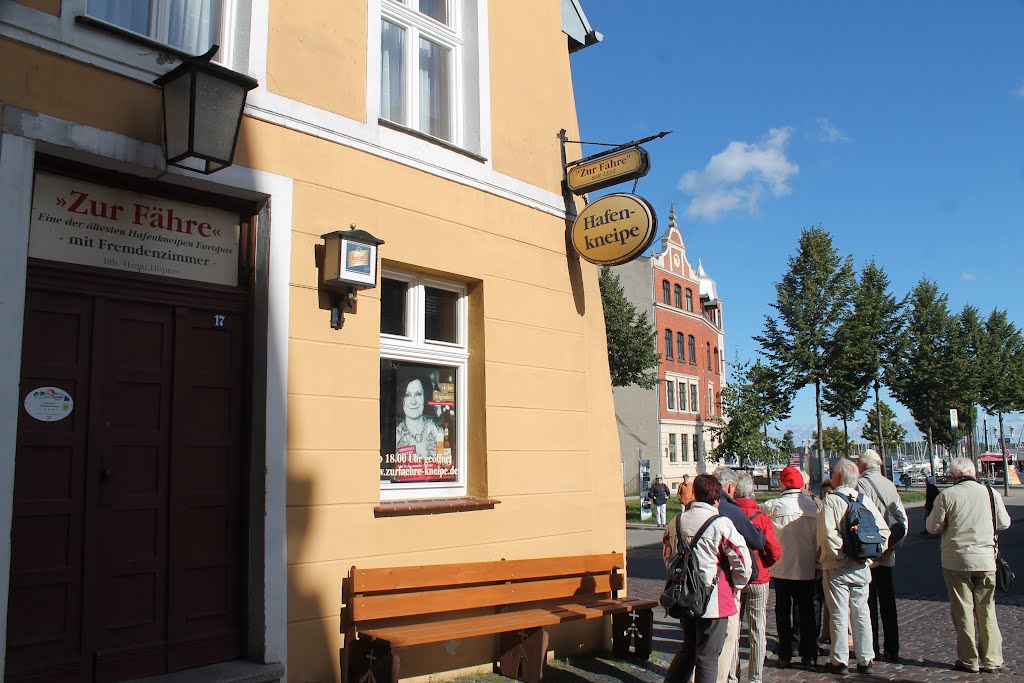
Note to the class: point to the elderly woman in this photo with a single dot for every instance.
(724, 564)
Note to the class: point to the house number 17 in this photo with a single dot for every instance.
(220, 321)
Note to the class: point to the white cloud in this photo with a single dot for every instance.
(740, 176)
(970, 277)
(829, 132)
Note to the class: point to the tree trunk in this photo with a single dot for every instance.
(846, 437)
(1002, 454)
(821, 443)
(931, 452)
(881, 435)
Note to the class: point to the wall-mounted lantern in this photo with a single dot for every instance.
(203, 105)
(348, 264)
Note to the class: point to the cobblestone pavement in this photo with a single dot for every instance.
(927, 640)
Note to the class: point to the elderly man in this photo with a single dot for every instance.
(846, 578)
(794, 517)
(755, 541)
(968, 515)
(658, 495)
(754, 597)
(881, 595)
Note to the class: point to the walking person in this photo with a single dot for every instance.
(795, 518)
(754, 597)
(724, 565)
(968, 515)
(847, 578)
(755, 540)
(881, 594)
(658, 495)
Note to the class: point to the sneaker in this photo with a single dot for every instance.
(810, 662)
(865, 668)
(837, 669)
(892, 657)
(960, 666)
(990, 669)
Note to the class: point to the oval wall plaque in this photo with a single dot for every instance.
(614, 229)
(49, 404)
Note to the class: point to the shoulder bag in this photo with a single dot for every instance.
(1004, 575)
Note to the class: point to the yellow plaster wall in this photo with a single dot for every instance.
(316, 54)
(551, 442)
(47, 6)
(531, 94)
(50, 84)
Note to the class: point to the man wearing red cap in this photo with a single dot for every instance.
(795, 517)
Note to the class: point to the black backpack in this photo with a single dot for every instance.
(861, 538)
(686, 594)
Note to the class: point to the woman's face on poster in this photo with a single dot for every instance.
(413, 400)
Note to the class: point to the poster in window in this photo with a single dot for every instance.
(417, 423)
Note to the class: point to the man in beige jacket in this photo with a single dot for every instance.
(846, 578)
(963, 514)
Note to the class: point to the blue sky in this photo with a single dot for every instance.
(896, 126)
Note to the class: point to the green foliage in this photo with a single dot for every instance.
(812, 299)
(928, 372)
(834, 441)
(632, 341)
(893, 432)
(754, 399)
(1000, 365)
(787, 441)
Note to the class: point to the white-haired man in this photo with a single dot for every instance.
(846, 578)
(968, 515)
(881, 595)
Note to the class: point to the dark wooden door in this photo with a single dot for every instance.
(147, 507)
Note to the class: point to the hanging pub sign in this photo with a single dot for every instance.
(605, 171)
(615, 229)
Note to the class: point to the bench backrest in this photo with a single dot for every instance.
(372, 594)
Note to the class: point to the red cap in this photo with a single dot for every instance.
(791, 478)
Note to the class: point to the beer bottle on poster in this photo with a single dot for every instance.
(447, 448)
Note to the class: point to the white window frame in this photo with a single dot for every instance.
(673, 454)
(413, 347)
(694, 394)
(419, 26)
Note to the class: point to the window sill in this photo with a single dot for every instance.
(432, 506)
(132, 36)
(431, 139)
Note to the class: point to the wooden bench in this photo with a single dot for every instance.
(388, 610)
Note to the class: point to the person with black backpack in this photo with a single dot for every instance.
(851, 534)
(707, 562)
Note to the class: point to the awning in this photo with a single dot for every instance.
(991, 458)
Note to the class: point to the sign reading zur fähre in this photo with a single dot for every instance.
(614, 229)
(74, 221)
(608, 170)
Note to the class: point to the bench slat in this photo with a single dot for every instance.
(367, 608)
(429, 576)
(419, 634)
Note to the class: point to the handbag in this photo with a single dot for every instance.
(1004, 574)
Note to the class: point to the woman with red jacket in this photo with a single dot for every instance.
(754, 598)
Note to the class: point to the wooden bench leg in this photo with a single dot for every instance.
(523, 654)
(372, 662)
(632, 634)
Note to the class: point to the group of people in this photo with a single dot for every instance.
(823, 593)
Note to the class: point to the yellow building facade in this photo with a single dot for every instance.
(224, 456)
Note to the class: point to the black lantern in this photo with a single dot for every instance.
(349, 264)
(203, 105)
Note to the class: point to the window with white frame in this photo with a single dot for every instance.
(670, 395)
(694, 404)
(672, 448)
(682, 395)
(189, 25)
(427, 59)
(711, 400)
(423, 364)
(684, 448)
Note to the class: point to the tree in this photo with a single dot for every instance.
(926, 372)
(787, 442)
(750, 402)
(1001, 367)
(833, 440)
(846, 388)
(812, 298)
(633, 357)
(892, 431)
(969, 342)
